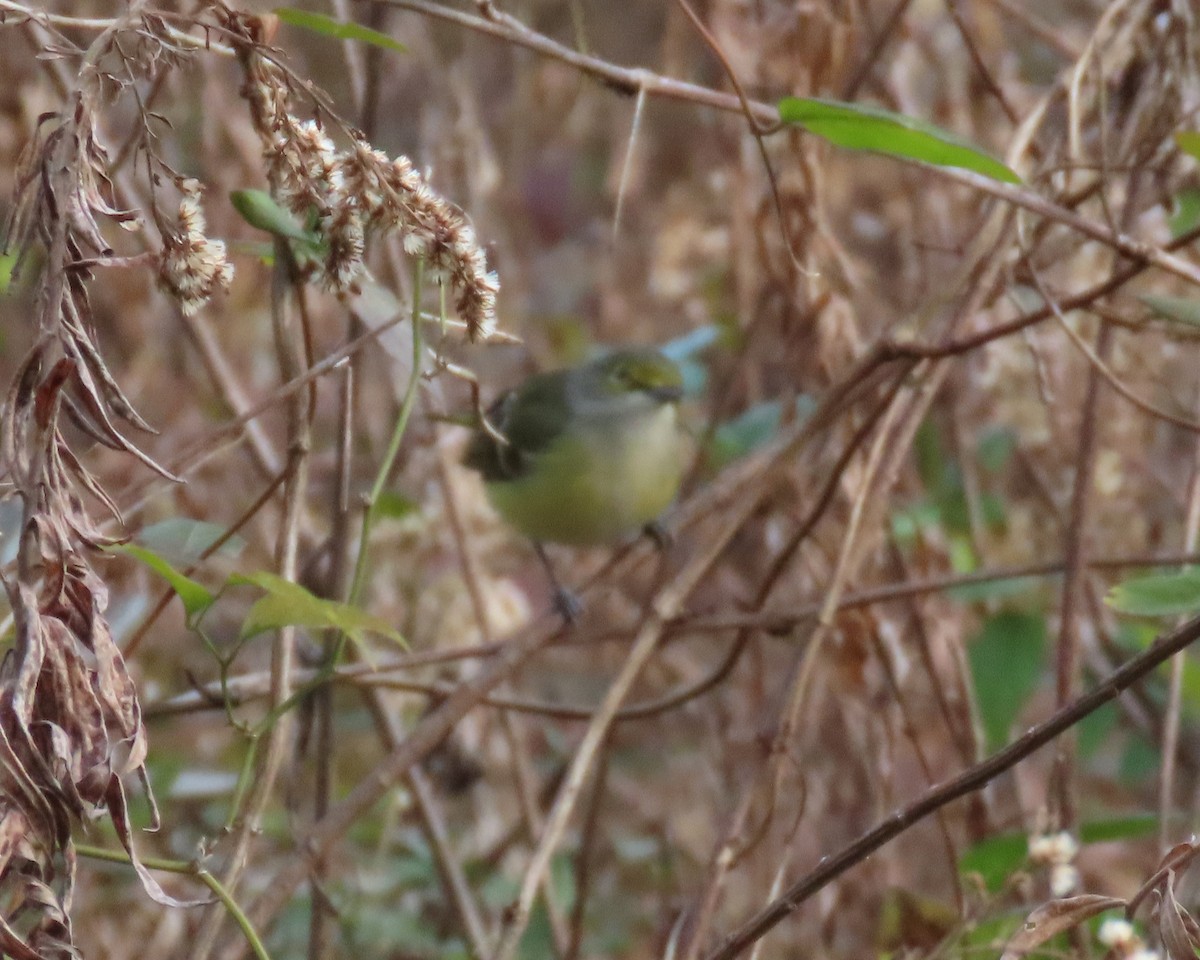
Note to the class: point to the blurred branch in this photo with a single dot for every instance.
(631, 80)
(666, 603)
(290, 328)
(247, 687)
(960, 786)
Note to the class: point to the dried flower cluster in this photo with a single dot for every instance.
(1057, 851)
(358, 192)
(192, 267)
(70, 722)
(1124, 941)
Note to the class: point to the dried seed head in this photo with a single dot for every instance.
(192, 267)
(359, 192)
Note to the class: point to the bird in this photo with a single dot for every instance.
(584, 456)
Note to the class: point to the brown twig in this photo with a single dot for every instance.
(960, 786)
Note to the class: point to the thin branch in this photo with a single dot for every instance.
(965, 783)
(631, 80)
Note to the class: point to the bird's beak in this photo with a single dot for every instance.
(667, 394)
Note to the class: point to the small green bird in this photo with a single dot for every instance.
(593, 453)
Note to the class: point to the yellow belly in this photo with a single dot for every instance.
(598, 484)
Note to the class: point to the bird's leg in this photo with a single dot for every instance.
(662, 537)
(567, 605)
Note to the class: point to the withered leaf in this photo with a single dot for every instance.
(1054, 918)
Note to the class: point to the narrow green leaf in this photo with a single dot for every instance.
(1189, 142)
(182, 540)
(1180, 309)
(196, 598)
(338, 29)
(1159, 595)
(1006, 665)
(863, 127)
(260, 210)
(287, 604)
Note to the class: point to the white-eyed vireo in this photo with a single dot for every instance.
(593, 453)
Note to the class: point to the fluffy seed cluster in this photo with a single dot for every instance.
(360, 192)
(192, 267)
(1058, 852)
(1121, 938)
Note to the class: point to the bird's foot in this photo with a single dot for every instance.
(567, 605)
(662, 537)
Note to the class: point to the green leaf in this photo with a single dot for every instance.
(737, 437)
(937, 473)
(864, 127)
(1138, 635)
(8, 262)
(1159, 595)
(909, 522)
(395, 506)
(943, 479)
(338, 29)
(1189, 142)
(995, 448)
(287, 604)
(747, 432)
(1140, 763)
(1098, 731)
(1180, 309)
(1185, 213)
(962, 553)
(993, 589)
(183, 540)
(987, 936)
(1119, 828)
(196, 599)
(1006, 665)
(997, 858)
(260, 210)
(994, 513)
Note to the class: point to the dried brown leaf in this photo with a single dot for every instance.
(1055, 917)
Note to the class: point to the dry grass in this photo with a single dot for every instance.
(985, 394)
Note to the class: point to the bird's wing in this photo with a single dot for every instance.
(531, 417)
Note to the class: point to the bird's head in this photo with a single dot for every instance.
(637, 371)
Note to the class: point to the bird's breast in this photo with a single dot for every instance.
(603, 481)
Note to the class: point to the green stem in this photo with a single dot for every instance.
(372, 500)
(393, 450)
(189, 869)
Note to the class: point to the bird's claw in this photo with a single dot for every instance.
(662, 537)
(567, 605)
